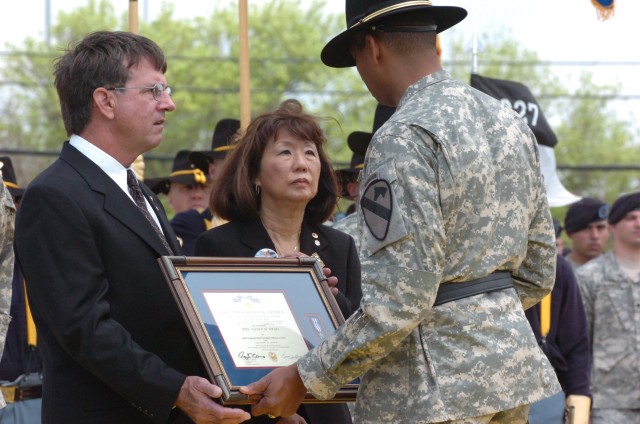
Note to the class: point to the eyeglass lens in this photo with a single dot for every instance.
(158, 89)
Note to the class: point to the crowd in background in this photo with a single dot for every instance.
(437, 208)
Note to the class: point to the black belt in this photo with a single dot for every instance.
(448, 292)
(16, 393)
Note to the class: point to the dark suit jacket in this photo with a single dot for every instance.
(336, 249)
(115, 347)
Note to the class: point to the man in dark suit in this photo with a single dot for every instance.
(115, 347)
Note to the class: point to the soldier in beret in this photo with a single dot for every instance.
(610, 286)
(456, 239)
(586, 226)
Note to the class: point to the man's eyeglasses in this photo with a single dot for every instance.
(156, 90)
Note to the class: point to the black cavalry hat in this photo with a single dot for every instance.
(220, 143)
(361, 14)
(9, 178)
(182, 171)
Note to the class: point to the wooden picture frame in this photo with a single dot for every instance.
(248, 316)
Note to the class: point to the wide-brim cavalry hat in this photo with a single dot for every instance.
(9, 178)
(183, 171)
(361, 13)
(220, 143)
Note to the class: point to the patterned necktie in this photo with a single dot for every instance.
(138, 197)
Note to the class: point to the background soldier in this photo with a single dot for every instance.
(610, 286)
(586, 226)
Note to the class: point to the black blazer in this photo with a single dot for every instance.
(115, 347)
(336, 249)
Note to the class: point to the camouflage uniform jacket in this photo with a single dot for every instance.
(7, 215)
(451, 191)
(612, 304)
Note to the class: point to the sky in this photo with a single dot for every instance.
(558, 30)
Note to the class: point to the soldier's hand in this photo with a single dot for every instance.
(282, 392)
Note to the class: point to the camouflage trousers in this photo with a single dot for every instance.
(517, 415)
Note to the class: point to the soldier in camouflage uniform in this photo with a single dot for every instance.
(451, 192)
(7, 215)
(610, 286)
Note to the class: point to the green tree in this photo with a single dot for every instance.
(285, 41)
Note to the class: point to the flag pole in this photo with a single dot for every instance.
(138, 165)
(474, 53)
(133, 16)
(245, 88)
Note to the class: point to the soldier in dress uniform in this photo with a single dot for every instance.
(189, 224)
(610, 287)
(456, 239)
(187, 186)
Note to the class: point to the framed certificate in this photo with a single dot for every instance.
(248, 316)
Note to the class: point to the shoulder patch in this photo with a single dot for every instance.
(376, 204)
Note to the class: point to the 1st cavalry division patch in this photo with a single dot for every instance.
(376, 208)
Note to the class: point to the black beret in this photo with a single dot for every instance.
(583, 213)
(623, 205)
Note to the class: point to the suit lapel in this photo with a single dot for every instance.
(167, 229)
(254, 236)
(312, 240)
(116, 202)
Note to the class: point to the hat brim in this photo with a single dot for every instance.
(202, 158)
(163, 184)
(157, 185)
(358, 141)
(16, 193)
(336, 53)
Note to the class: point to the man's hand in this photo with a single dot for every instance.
(195, 400)
(282, 392)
